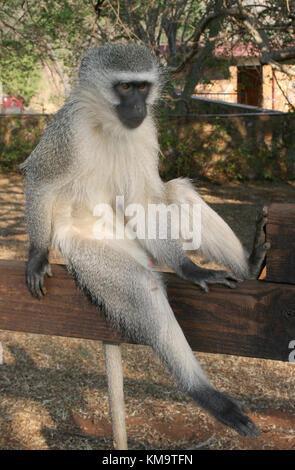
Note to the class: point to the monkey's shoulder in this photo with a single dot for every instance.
(54, 153)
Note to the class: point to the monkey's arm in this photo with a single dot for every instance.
(218, 241)
(46, 170)
(39, 218)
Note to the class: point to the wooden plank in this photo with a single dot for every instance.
(64, 311)
(280, 232)
(257, 319)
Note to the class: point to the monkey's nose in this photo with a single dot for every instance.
(139, 108)
(132, 116)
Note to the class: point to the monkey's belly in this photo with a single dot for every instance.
(70, 228)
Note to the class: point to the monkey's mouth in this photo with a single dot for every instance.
(131, 117)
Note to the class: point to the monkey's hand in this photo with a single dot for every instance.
(260, 246)
(37, 267)
(202, 276)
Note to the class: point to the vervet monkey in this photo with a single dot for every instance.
(103, 144)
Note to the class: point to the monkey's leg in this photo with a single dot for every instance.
(135, 302)
(218, 241)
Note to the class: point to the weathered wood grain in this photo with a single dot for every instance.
(280, 232)
(256, 319)
(64, 311)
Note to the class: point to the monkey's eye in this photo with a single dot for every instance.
(142, 86)
(123, 88)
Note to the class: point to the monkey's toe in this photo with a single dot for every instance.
(241, 423)
(225, 278)
(261, 220)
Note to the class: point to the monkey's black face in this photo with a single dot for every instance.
(132, 108)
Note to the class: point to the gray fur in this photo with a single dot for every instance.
(116, 58)
(104, 66)
(86, 156)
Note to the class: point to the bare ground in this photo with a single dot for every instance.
(53, 390)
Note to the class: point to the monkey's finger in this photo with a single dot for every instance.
(31, 286)
(221, 276)
(259, 237)
(37, 287)
(38, 293)
(48, 271)
(42, 287)
(203, 286)
(29, 283)
(231, 285)
(224, 282)
(261, 218)
(265, 211)
(232, 277)
(262, 213)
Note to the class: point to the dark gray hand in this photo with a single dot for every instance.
(37, 267)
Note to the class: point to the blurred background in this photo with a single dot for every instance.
(228, 106)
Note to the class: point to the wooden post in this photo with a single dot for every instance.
(280, 232)
(114, 369)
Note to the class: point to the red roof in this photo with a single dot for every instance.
(242, 50)
(237, 50)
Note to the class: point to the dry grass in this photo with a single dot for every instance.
(53, 390)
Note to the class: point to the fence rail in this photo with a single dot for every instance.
(227, 97)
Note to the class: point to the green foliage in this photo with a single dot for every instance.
(227, 150)
(218, 149)
(62, 26)
(38, 33)
(19, 135)
(18, 71)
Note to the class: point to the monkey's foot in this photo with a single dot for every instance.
(218, 277)
(228, 411)
(260, 246)
(202, 277)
